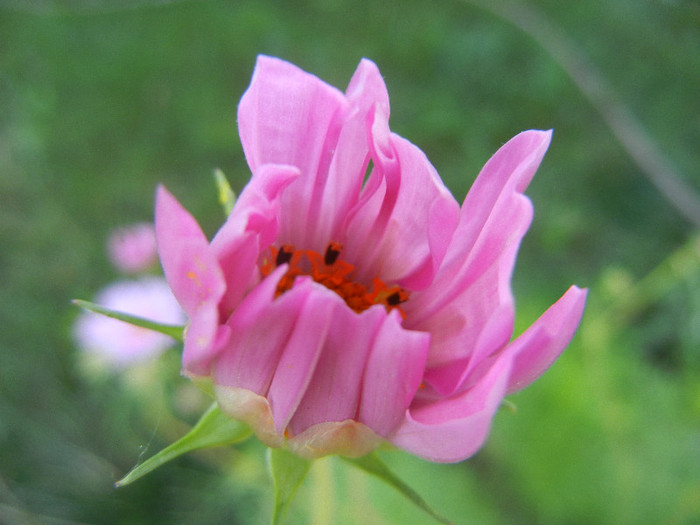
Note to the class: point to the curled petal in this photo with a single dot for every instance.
(404, 222)
(334, 391)
(452, 429)
(288, 116)
(537, 348)
(251, 227)
(393, 374)
(366, 89)
(260, 329)
(301, 353)
(351, 157)
(472, 287)
(506, 174)
(192, 271)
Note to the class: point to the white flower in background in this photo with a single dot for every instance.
(118, 345)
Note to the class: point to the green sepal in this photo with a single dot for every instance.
(173, 331)
(288, 472)
(373, 464)
(227, 198)
(213, 429)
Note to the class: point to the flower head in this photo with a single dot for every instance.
(332, 313)
(132, 249)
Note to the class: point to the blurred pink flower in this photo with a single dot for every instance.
(132, 249)
(117, 344)
(332, 314)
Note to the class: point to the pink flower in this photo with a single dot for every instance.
(117, 344)
(132, 249)
(331, 314)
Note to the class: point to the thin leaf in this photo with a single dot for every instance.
(227, 198)
(173, 331)
(288, 471)
(374, 465)
(213, 429)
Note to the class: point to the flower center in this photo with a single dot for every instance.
(333, 273)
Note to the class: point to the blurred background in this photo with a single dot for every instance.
(100, 101)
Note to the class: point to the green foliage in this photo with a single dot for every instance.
(373, 464)
(214, 429)
(227, 198)
(288, 471)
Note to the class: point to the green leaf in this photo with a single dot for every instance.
(168, 329)
(288, 471)
(227, 198)
(213, 429)
(373, 464)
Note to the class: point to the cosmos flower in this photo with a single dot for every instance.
(132, 249)
(348, 300)
(116, 345)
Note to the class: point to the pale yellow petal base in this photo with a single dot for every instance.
(347, 438)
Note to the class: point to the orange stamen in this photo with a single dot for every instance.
(333, 273)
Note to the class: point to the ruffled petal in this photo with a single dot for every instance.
(334, 391)
(393, 374)
(302, 351)
(260, 329)
(288, 116)
(538, 347)
(454, 428)
(401, 228)
(351, 157)
(252, 226)
(193, 273)
(505, 176)
(473, 284)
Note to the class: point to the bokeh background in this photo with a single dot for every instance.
(100, 101)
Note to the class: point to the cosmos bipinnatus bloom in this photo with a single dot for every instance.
(333, 313)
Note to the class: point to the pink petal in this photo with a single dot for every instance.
(133, 249)
(192, 271)
(334, 391)
(351, 157)
(453, 376)
(393, 374)
(260, 328)
(288, 116)
(252, 226)
(537, 348)
(473, 283)
(406, 217)
(506, 174)
(302, 352)
(452, 429)
(367, 89)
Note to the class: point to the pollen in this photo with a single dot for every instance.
(333, 273)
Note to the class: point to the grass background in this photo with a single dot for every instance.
(100, 101)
